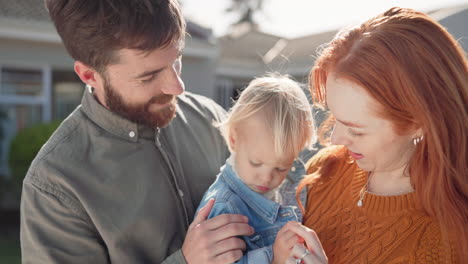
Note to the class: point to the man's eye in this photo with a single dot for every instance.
(148, 80)
(282, 169)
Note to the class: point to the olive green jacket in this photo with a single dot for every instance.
(106, 190)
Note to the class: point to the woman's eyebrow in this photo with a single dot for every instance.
(351, 124)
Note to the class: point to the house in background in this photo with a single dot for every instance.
(246, 52)
(455, 20)
(38, 84)
(37, 81)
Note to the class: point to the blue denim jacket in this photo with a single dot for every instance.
(265, 216)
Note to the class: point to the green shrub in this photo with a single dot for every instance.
(25, 146)
(3, 116)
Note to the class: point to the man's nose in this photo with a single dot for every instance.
(173, 84)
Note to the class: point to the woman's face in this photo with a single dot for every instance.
(371, 140)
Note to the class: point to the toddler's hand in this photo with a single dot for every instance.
(284, 242)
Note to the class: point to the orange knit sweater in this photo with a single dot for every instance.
(386, 229)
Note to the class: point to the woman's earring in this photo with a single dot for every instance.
(417, 140)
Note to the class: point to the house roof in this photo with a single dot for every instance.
(300, 52)
(246, 42)
(442, 13)
(455, 20)
(246, 51)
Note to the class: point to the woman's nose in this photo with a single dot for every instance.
(338, 136)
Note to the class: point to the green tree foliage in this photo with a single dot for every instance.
(3, 116)
(3, 183)
(25, 146)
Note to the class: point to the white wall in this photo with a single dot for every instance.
(34, 53)
(199, 76)
(198, 73)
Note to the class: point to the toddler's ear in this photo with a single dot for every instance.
(233, 139)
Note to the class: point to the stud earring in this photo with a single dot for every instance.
(89, 88)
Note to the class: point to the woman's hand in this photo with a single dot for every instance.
(284, 242)
(312, 254)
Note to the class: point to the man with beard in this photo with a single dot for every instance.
(120, 179)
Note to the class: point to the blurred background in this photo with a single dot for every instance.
(230, 42)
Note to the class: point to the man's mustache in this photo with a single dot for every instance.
(161, 99)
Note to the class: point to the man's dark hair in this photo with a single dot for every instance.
(93, 30)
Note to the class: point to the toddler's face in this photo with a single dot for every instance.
(255, 160)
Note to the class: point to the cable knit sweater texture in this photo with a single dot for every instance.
(386, 229)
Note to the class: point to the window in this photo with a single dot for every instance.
(21, 82)
(67, 92)
(25, 100)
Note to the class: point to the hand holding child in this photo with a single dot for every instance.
(214, 240)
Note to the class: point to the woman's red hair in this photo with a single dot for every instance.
(418, 73)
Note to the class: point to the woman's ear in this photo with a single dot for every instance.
(418, 136)
(418, 133)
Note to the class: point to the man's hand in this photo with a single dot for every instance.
(214, 240)
(284, 242)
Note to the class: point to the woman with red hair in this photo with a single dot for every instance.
(394, 189)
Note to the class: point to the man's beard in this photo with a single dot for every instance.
(140, 113)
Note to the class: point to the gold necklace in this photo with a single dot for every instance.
(363, 191)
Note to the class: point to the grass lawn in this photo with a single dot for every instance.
(10, 252)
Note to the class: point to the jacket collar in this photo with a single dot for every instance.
(267, 209)
(110, 121)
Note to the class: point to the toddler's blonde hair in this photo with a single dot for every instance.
(284, 109)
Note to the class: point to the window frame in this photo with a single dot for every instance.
(44, 100)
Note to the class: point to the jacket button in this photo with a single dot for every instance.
(181, 194)
(131, 134)
(293, 169)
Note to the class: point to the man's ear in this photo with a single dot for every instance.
(87, 74)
